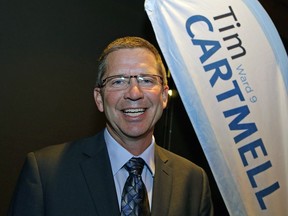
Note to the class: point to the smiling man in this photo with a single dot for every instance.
(121, 170)
(132, 92)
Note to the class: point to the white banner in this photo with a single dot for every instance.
(231, 71)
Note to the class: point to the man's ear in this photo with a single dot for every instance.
(165, 96)
(98, 99)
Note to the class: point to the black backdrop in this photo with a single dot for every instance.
(48, 52)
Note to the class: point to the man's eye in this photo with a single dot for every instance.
(118, 82)
(147, 80)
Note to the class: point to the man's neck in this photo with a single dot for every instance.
(135, 145)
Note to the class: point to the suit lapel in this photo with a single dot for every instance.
(97, 172)
(162, 184)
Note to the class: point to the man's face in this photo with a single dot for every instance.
(133, 112)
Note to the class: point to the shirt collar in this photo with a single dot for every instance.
(119, 155)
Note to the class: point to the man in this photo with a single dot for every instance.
(91, 176)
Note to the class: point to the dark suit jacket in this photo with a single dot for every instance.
(76, 179)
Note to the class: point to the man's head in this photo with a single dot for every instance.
(131, 89)
(125, 43)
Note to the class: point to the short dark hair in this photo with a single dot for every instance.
(128, 43)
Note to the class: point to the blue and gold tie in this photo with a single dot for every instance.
(134, 200)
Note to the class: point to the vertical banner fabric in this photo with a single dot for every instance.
(231, 70)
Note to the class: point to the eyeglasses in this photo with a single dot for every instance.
(121, 82)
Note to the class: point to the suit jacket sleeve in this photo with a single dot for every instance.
(28, 196)
(206, 206)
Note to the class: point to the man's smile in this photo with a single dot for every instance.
(134, 112)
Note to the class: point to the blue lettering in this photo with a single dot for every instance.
(256, 170)
(218, 73)
(194, 19)
(249, 128)
(230, 93)
(214, 46)
(265, 192)
(251, 147)
(222, 69)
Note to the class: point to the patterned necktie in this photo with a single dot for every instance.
(134, 200)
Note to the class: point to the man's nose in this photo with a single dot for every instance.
(134, 91)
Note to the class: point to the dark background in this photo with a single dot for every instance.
(48, 52)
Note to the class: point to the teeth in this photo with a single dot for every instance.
(134, 112)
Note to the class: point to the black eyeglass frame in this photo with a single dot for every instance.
(103, 83)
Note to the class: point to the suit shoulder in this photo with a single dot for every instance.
(176, 161)
(68, 150)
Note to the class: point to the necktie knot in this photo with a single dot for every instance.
(135, 166)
